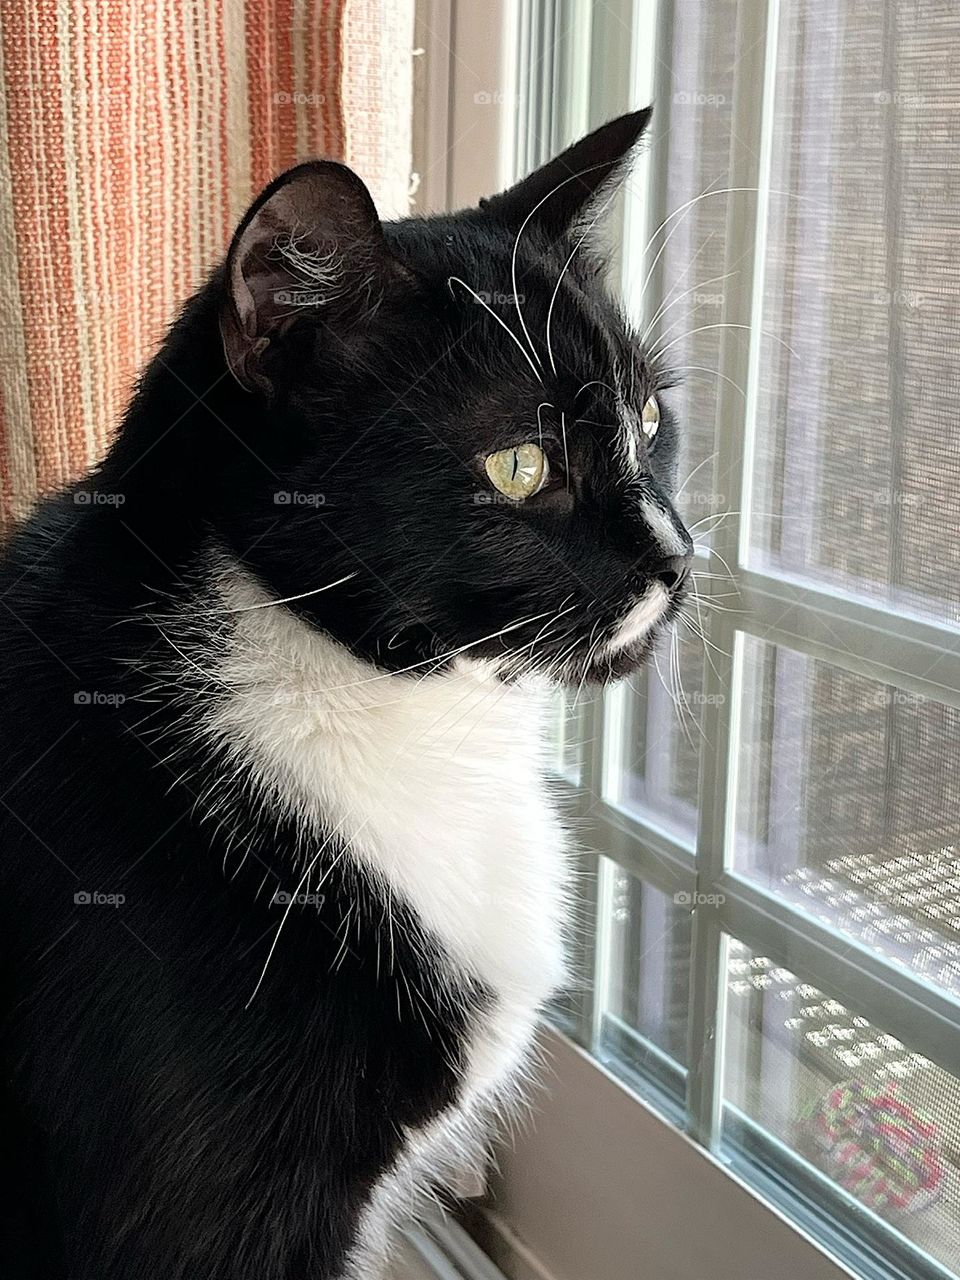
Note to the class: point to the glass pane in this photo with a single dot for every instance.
(660, 723)
(648, 967)
(857, 470)
(876, 1118)
(683, 298)
(847, 804)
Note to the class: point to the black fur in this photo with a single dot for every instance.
(153, 1124)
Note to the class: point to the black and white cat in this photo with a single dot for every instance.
(283, 887)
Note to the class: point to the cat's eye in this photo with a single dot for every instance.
(650, 418)
(518, 472)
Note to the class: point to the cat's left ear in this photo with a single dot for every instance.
(565, 190)
(310, 243)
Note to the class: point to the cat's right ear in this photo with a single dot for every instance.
(310, 244)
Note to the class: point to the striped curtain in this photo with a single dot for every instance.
(132, 136)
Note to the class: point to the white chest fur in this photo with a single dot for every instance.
(434, 780)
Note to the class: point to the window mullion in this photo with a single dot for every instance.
(750, 129)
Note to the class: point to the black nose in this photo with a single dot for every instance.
(673, 572)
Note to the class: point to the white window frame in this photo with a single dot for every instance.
(563, 1207)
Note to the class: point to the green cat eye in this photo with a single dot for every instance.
(650, 418)
(518, 472)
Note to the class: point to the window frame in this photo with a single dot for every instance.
(590, 76)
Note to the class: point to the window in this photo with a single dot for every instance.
(774, 811)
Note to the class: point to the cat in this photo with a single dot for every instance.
(284, 886)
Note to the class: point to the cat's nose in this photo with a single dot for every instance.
(673, 571)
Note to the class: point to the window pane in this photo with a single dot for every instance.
(659, 722)
(648, 968)
(683, 299)
(876, 1118)
(858, 474)
(847, 804)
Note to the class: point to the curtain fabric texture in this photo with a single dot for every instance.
(132, 136)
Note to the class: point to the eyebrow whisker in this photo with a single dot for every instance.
(503, 324)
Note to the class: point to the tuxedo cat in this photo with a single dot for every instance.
(283, 886)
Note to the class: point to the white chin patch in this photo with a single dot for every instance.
(641, 619)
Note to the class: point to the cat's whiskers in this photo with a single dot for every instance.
(596, 382)
(296, 893)
(303, 595)
(544, 404)
(566, 266)
(588, 660)
(704, 546)
(516, 246)
(679, 212)
(502, 323)
(668, 302)
(675, 663)
(562, 612)
(660, 352)
(701, 368)
(698, 467)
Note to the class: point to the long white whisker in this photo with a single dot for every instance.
(694, 472)
(725, 324)
(556, 290)
(700, 368)
(516, 246)
(596, 382)
(667, 303)
(704, 195)
(544, 404)
(502, 323)
(268, 604)
(295, 895)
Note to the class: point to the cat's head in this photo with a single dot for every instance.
(456, 419)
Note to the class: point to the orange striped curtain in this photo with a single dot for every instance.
(132, 135)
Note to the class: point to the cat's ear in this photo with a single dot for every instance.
(565, 190)
(310, 243)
